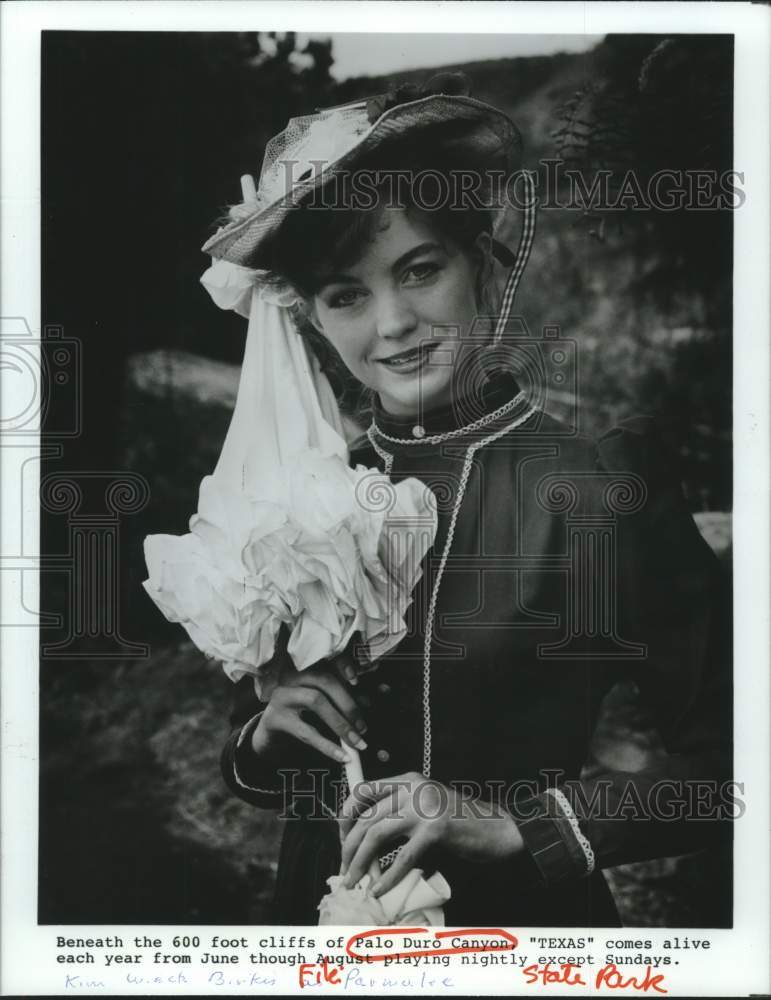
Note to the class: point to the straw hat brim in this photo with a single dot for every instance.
(480, 130)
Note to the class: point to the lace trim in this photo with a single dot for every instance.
(245, 731)
(571, 817)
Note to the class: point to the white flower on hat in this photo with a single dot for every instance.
(329, 138)
(336, 134)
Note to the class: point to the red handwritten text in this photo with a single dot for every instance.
(312, 975)
(608, 976)
(550, 974)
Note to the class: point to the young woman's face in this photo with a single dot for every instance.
(397, 315)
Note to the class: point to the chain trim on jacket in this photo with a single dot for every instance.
(567, 810)
(475, 425)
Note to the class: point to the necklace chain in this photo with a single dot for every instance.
(483, 421)
(386, 456)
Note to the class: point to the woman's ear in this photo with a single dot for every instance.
(484, 243)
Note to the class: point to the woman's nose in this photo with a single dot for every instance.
(395, 316)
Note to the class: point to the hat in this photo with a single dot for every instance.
(315, 148)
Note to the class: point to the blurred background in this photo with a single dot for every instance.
(144, 138)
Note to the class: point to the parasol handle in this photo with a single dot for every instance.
(353, 769)
(354, 775)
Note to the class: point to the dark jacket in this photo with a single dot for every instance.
(574, 563)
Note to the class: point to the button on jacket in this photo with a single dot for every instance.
(573, 564)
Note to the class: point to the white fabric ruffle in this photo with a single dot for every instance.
(286, 532)
(306, 552)
(413, 901)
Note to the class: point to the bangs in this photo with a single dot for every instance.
(316, 241)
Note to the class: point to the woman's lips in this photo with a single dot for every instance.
(406, 362)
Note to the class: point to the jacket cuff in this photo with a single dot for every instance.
(549, 839)
(247, 771)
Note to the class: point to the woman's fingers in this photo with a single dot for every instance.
(330, 685)
(307, 734)
(408, 857)
(365, 796)
(341, 724)
(346, 668)
(372, 844)
(311, 699)
(366, 793)
(386, 808)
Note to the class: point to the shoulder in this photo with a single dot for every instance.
(640, 444)
(631, 469)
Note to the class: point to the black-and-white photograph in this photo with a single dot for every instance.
(387, 484)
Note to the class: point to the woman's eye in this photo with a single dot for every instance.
(341, 300)
(421, 272)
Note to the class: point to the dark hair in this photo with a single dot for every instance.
(336, 222)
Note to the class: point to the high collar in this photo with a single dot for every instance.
(476, 413)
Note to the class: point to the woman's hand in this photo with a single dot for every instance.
(305, 697)
(428, 814)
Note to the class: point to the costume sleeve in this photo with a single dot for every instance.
(252, 778)
(294, 778)
(674, 600)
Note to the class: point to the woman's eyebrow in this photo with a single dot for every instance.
(335, 279)
(415, 252)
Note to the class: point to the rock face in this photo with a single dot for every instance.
(176, 414)
(162, 373)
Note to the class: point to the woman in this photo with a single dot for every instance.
(560, 566)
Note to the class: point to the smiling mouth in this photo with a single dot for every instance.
(409, 360)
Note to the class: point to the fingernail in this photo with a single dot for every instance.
(342, 756)
(361, 725)
(356, 740)
(352, 678)
(375, 890)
